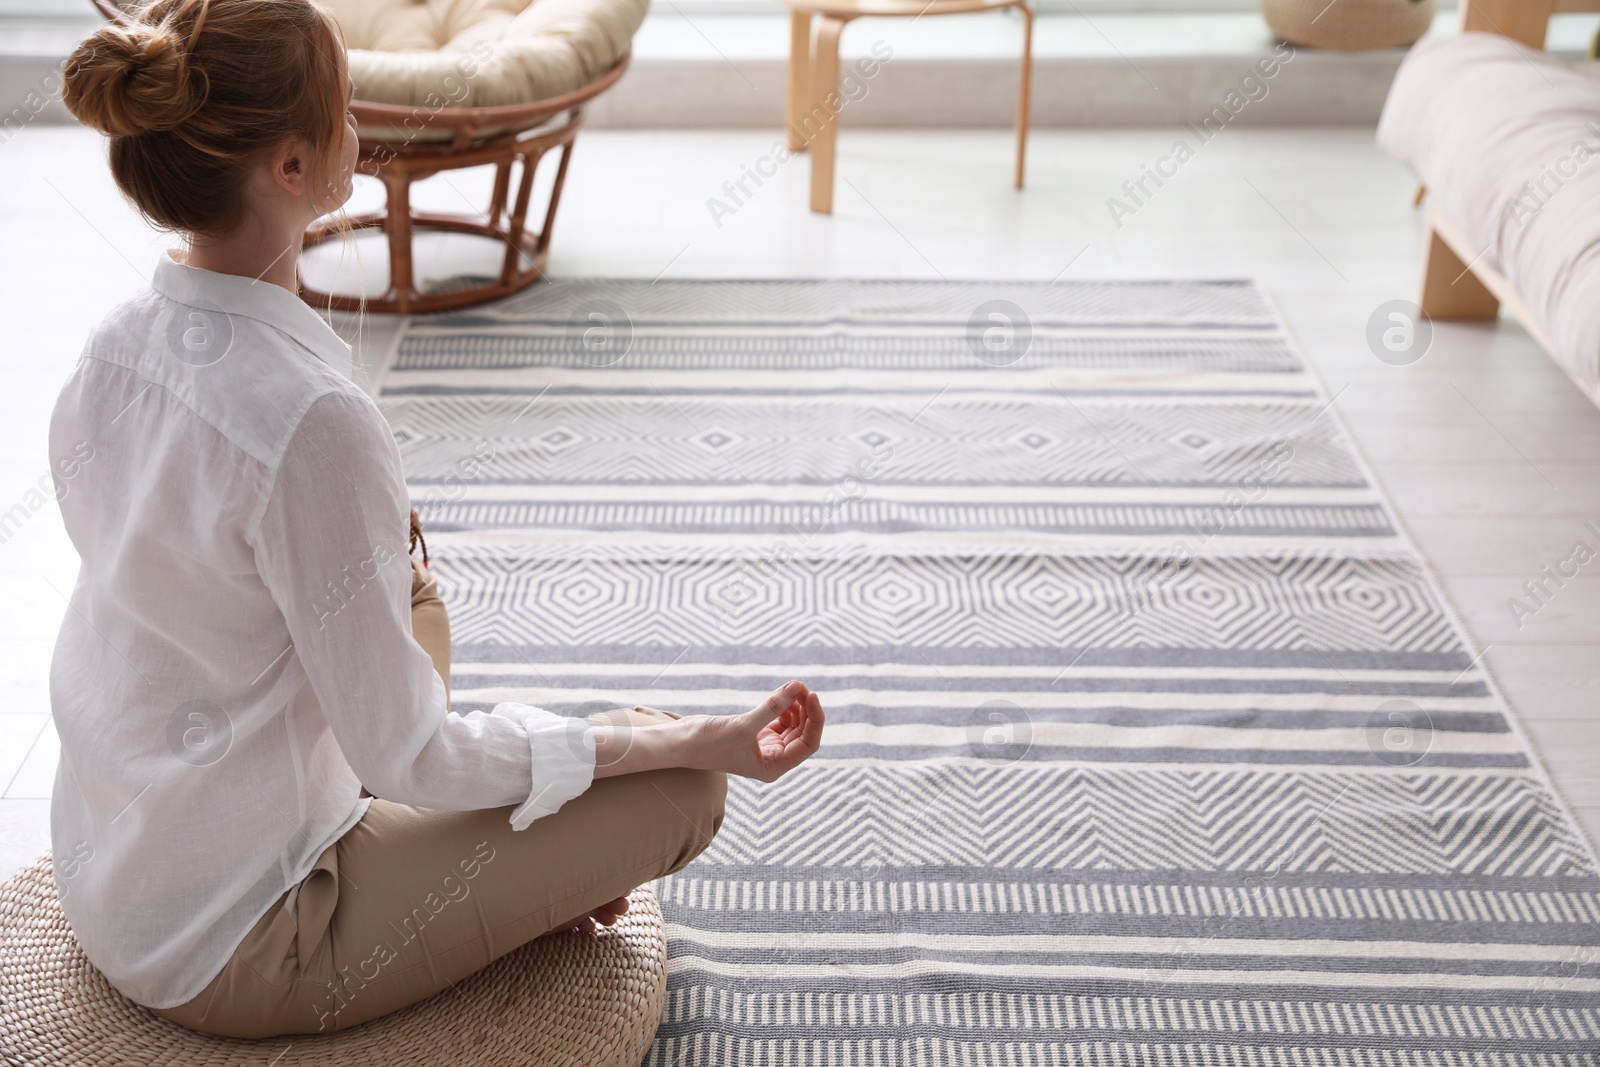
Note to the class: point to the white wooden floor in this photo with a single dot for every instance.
(1491, 455)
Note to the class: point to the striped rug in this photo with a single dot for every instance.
(1150, 739)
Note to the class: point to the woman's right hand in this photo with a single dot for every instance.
(764, 743)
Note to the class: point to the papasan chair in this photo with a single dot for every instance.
(446, 84)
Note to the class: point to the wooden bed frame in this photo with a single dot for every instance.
(1456, 284)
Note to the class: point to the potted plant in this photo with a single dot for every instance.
(1349, 25)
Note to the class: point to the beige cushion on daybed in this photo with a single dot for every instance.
(1477, 117)
(481, 53)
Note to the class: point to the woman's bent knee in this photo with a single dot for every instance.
(700, 798)
(694, 801)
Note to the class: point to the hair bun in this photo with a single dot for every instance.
(130, 79)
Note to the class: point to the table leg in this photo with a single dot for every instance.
(1025, 91)
(799, 90)
(825, 104)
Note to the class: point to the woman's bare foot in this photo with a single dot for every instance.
(604, 915)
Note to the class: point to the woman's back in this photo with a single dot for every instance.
(197, 773)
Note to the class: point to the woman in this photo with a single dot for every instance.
(238, 668)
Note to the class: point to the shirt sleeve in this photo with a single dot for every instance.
(331, 545)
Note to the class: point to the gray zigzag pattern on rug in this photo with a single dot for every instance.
(1105, 818)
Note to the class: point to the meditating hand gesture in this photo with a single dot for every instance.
(763, 743)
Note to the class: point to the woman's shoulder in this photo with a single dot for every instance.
(244, 378)
(126, 324)
(341, 408)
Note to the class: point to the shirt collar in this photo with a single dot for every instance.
(251, 298)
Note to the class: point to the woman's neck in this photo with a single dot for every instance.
(264, 252)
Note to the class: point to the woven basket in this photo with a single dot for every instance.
(1349, 25)
(573, 1000)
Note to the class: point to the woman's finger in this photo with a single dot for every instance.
(791, 730)
(813, 723)
(791, 721)
(781, 699)
(802, 741)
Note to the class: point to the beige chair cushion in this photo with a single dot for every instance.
(481, 53)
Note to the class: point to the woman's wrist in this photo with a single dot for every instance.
(624, 748)
(764, 743)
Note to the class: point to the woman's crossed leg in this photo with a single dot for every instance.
(412, 900)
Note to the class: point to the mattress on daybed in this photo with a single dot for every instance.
(1507, 140)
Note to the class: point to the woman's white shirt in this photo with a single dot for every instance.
(237, 659)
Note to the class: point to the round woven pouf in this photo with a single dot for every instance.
(567, 999)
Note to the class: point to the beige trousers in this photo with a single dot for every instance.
(411, 900)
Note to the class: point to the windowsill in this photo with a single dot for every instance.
(690, 34)
(42, 37)
(670, 35)
(727, 71)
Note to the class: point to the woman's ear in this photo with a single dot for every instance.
(288, 168)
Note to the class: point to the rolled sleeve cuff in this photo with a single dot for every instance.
(562, 752)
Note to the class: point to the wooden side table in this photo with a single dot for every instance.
(814, 75)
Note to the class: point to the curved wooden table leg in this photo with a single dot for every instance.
(1025, 91)
(799, 87)
(825, 104)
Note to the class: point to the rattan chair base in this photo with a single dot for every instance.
(565, 1000)
(526, 251)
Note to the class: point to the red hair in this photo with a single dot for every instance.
(193, 93)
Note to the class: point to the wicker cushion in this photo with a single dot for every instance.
(567, 999)
(482, 53)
